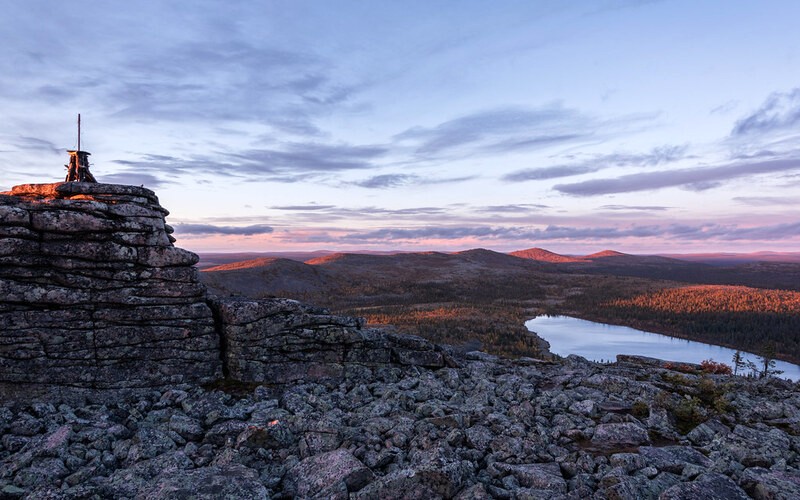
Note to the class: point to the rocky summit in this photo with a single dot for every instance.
(94, 295)
(122, 378)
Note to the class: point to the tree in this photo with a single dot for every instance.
(767, 359)
(738, 362)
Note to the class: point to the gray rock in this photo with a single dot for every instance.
(619, 434)
(129, 482)
(539, 476)
(707, 431)
(479, 437)
(273, 435)
(149, 442)
(313, 476)
(229, 481)
(640, 487)
(709, 486)
(674, 458)
(764, 484)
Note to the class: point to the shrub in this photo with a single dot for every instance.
(640, 409)
(711, 366)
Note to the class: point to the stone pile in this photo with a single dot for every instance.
(94, 295)
(491, 428)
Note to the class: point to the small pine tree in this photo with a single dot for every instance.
(738, 362)
(767, 358)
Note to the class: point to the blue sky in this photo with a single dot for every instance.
(661, 126)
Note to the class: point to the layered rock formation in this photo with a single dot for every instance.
(94, 295)
(282, 341)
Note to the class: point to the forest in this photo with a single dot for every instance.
(481, 299)
(750, 319)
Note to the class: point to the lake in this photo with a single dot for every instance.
(602, 342)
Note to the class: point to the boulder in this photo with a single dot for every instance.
(330, 472)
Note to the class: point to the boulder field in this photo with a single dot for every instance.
(121, 378)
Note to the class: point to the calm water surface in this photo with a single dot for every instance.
(602, 342)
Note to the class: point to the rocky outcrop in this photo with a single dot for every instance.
(94, 294)
(282, 341)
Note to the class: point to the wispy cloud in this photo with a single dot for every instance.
(133, 179)
(780, 112)
(37, 145)
(656, 156)
(637, 208)
(521, 235)
(489, 126)
(766, 201)
(211, 229)
(689, 178)
(291, 162)
(512, 128)
(385, 181)
(540, 174)
(512, 208)
(302, 208)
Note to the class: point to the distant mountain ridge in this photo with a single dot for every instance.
(543, 255)
(307, 272)
(212, 259)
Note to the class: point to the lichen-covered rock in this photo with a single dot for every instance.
(94, 295)
(764, 484)
(325, 474)
(620, 434)
(227, 481)
(710, 486)
(283, 341)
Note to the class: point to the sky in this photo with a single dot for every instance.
(640, 126)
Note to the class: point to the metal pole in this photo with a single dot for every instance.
(79, 131)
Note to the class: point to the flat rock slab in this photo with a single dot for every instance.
(622, 434)
(710, 486)
(314, 475)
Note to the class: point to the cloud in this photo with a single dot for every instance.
(38, 145)
(638, 208)
(505, 129)
(208, 229)
(691, 178)
(292, 162)
(512, 208)
(385, 181)
(780, 112)
(489, 232)
(232, 79)
(680, 232)
(724, 107)
(775, 232)
(656, 156)
(540, 174)
(302, 208)
(766, 201)
(133, 179)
